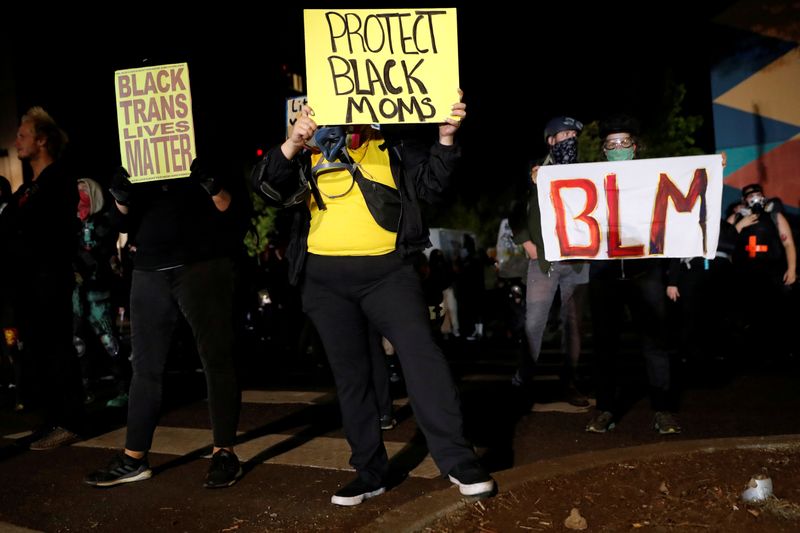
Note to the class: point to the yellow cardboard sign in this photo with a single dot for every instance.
(154, 116)
(381, 66)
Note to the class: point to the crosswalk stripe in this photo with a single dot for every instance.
(562, 407)
(15, 436)
(166, 440)
(320, 452)
(504, 377)
(330, 453)
(288, 396)
(269, 397)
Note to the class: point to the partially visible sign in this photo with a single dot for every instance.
(293, 107)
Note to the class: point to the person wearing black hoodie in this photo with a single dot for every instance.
(40, 226)
(640, 284)
(186, 232)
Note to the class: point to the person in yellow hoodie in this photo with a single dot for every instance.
(358, 224)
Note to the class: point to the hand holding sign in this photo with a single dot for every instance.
(458, 113)
(302, 133)
(120, 187)
(534, 173)
(204, 178)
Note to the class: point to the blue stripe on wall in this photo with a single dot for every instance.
(739, 157)
(734, 128)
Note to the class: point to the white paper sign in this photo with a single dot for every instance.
(666, 207)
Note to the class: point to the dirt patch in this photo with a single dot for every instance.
(699, 491)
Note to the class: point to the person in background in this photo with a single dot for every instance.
(765, 263)
(640, 285)
(91, 299)
(545, 278)
(10, 345)
(41, 225)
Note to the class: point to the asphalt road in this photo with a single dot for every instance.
(296, 456)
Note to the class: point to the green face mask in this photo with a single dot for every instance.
(620, 154)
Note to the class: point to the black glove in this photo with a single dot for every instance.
(208, 181)
(121, 186)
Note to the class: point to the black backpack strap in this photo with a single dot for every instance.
(259, 181)
(326, 166)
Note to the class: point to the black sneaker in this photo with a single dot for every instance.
(601, 422)
(224, 471)
(122, 469)
(388, 422)
(574, 397)
(356, 492)
(472, 480)
(666, 423)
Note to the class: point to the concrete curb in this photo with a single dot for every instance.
(419, 513)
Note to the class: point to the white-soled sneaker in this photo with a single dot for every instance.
(356, 492)
(472, 480)
(122, 469)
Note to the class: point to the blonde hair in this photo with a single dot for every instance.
(44, 126)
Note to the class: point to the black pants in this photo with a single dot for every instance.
(706, 307)
(646, 299)
(203, 293)
(764, 308)
(43, 303)
(343, 295)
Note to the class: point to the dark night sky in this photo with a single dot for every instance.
(517, 68)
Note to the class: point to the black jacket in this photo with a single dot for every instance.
(421, 174)
(531, 230)
(40, 222)
(175, 222)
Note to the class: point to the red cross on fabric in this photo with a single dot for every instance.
(753, 247)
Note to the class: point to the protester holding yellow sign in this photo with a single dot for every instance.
(357, 228)
(187, 233)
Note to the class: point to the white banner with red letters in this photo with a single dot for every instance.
(667, 207)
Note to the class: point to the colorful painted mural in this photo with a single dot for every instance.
(755, 84)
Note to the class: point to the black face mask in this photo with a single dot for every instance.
(566, 151)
